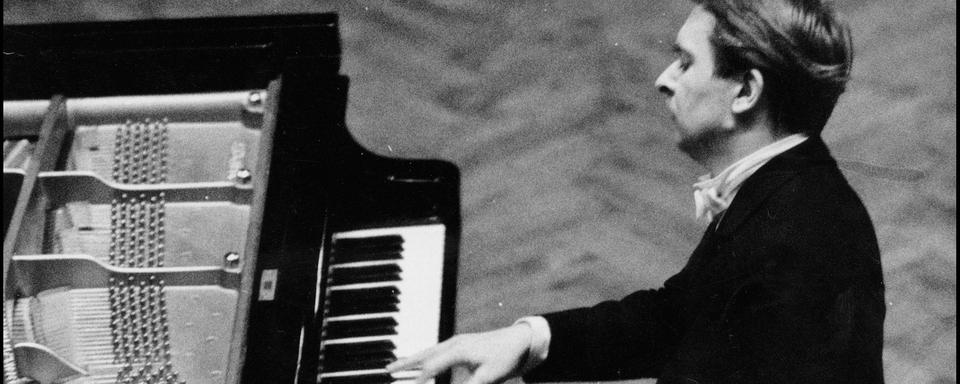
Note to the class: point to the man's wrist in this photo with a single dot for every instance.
(539, 344)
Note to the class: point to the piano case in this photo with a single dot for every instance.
(183, 202)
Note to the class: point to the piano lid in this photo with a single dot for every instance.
(161, 56)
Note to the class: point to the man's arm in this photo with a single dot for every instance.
(596, 343)
(614, 340)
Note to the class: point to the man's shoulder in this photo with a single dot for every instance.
(816, 215)
(819, 193)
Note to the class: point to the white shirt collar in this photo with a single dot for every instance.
(713, 195)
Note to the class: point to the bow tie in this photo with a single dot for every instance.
(710, 199)
(713, 195)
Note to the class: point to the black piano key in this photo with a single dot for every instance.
(356, 349)
(374, 273)
(332, 304)
(339, 301)
(374, 360)
(347, 243)
(379, 378)
(359, 309)
(342, 302)
(345, 280)
(368, 245)
(350, 250)
(341, 257)
(359, 328)
(356, 365)
(347, 295)
(367, 270)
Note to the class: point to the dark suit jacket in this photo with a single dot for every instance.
(787, 289)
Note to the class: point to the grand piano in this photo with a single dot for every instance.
(183, 203)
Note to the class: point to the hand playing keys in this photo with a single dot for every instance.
(491, 357)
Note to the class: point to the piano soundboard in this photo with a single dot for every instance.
(183, 203)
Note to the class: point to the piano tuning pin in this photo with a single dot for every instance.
(244, 176)
(232, 259)
(255, 99)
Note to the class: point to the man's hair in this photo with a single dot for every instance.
(801, 47)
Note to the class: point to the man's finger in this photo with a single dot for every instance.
(402, 364)
(416, 360)
(481, 376)
(439, 363)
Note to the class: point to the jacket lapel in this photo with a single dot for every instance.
(770, 177)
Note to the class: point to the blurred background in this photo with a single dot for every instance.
(572, 189)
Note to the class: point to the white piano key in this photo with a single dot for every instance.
(401, 375)
(371, 263)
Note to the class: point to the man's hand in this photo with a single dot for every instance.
(491, 357)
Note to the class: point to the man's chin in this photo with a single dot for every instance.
(703, 145)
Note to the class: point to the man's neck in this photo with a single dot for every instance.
(738, 146)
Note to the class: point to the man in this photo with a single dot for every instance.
(786, 284)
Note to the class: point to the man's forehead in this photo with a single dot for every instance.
(696, 29)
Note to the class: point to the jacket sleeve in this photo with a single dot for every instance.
(596, 343)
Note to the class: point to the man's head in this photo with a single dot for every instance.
(785, 61)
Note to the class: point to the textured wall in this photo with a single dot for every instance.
(573, 191)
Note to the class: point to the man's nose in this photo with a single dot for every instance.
(664, 82)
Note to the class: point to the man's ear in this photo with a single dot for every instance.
(751, 87)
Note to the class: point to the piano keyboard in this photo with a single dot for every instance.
(382, 301)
